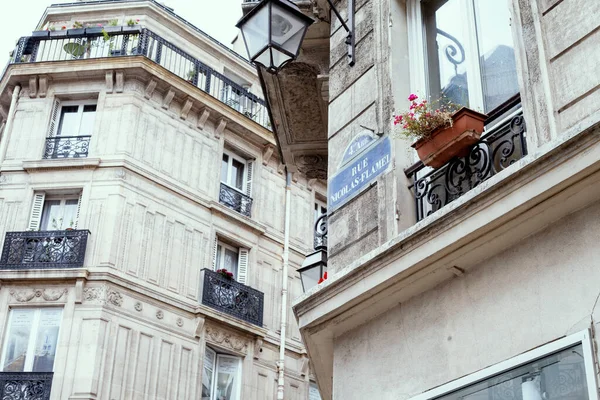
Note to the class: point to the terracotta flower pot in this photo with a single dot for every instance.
(455, 141)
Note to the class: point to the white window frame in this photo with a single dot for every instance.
(39, 204)
(242, 273)
(583, 338)
(232, 156)
(215, 371)
(80, 104)
(63, 201)
(28, 366)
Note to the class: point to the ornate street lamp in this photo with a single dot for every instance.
(273, 32)
(313, 268)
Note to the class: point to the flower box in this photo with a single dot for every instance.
(132, 29)
(94, 31)
(76, 32)
(60, 33)
(446, 143)
(112, 29)
(40, 33)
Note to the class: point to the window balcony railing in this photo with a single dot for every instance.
(500, 146)
(44, 249)
(67, 147)
(93, 45)
(235, 200)
(231, 297)
(25, 385)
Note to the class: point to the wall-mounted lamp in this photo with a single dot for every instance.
(273, 32)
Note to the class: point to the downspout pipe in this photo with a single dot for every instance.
(284, 285)
(5, 138)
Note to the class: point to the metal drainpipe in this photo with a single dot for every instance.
(9, 123)
(284, 286)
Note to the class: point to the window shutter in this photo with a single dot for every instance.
(36, 211)
(214, 254)
(54, 118)
(78, 210)
(243, 266)
(249, 173)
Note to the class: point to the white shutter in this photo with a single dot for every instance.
(243, 266)
(214, 254)
(78, 210)
(36, 211)
(54, 117)
(249, 173)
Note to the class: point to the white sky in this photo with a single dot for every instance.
(215, 17)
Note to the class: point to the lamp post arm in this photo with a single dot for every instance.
(337, 14)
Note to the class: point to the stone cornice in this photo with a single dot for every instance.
(61, 164)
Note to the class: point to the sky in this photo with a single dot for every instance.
(215, 17)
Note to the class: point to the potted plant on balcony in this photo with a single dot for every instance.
(112, 27)
(191, 75)
(226, 274)
(44, 33)
(94, 30)
(77, 31)
(132, 26)
(441, 131)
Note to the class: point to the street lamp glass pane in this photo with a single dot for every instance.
(279, 58)
(256, 32)
(310, 277)
(287, 29)
(264, 58)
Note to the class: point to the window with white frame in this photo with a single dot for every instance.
(313, 391)
(236, 182)
(31, 339)
(470, 55)
(231, 258)
(71, 126)
(561, 370)
(54, 212)
(221, 376)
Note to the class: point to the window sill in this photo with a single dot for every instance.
(63, 163)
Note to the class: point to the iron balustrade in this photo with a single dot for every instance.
(498, 148)
(92, 44)
(231, 297)
(44, 249)
(320, 241)
(67, 147)
(235, 200)
(25, 385)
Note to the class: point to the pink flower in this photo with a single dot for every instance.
(100, 25)
(412, 106)
(137, 20)
(397, 119)
(405, 126)
(63, 28)
(412, 97)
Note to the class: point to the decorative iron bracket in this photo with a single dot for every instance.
(350, 38)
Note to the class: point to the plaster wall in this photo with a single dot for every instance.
(537, 291)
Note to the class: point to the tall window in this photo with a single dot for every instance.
(470, 52)
(221, 376)
(54, 213)
(233, 259)
(236, 183)
(32, 335)
(233, 171)
(71, 126)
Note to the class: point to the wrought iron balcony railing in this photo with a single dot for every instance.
(501, 146)
(320, 241)
(67, 147)
(92, 44)
(25, 385)
(235, 200)
(44, 249)
(231, 297)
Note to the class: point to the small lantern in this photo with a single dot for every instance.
(313, 269)
(273, 32)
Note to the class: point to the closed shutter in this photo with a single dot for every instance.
(36, 211)
(54, 118)
(249, 173)
(243, 266)
(214, 254)
(78, 210)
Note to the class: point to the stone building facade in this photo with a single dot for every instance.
(136, 159)
(477, 279)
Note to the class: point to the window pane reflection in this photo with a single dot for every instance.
(69, 121)
(21, 322)
(560, 376)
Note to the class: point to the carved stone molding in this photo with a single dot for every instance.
(160, 314)
(202, 118)
(102, 295)
(43, 86)
(186, 109)
(258, 343)
(109, 79)
(267, 153)
(24, 296)
(179, 322)
(119, 81)
(221, 124)
(168, 99)
(313, 166)
(226, 339)
(32, 86)
(150, 89)
(138, 306)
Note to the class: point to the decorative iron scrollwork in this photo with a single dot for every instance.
(233, 298)
(25, 385)
(453, 50)
(67, 147)
(44, 249)
(498, 149)
(235, 200)
(320, 242)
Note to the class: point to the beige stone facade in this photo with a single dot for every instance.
(430, 294)
(132, 318)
